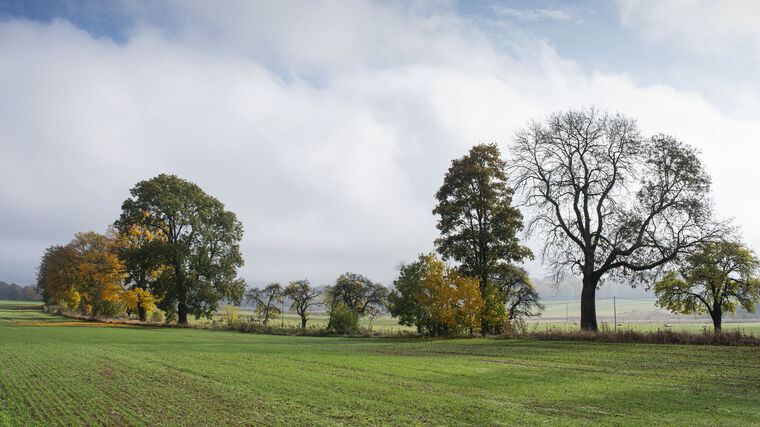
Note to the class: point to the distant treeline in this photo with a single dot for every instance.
(14, 292)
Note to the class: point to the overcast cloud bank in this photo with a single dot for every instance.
(326, 127)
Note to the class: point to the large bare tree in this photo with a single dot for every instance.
(607, 201)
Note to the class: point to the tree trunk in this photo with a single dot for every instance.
(588, 304)
(303, 322)
(182, 314)
(141, 312)
(717, 318)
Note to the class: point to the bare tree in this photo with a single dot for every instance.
(608, 201)
(303, 297)
(266, 300)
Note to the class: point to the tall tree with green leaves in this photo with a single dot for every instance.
(199, 245)
(477, 221)
(717, 279)
(403, 302)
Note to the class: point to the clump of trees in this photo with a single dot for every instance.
(440, 300)
(85, 274)
(14, 292)
(478, 227)
(717, 278)
(173, 247)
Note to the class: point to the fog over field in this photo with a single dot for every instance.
(327, 127)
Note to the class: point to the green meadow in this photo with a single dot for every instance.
(55, 371)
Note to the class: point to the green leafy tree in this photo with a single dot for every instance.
(607, 201)
(357, 293)
(718, 278)
(266, 300)
(199, 245)
(303, 296)
(403, 303)
(515, 290)
(57, 275)
(477, 221)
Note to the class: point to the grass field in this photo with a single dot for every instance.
(67, 373)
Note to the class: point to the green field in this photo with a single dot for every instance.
(79, 373)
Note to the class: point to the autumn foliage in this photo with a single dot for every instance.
(88, 275)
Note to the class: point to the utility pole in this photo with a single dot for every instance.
(567, 314)
(282, 313)
(614, 312)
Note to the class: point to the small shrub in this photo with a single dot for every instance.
(170, 316)
(156, 316)
(230, 314)
(343, 320)
(108, 309)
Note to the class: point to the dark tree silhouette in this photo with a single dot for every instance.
(607, 201)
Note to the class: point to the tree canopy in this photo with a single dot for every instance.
(14, 292)
(357, 293)
(266, 300)
(85, 274)
(303, 297)
(199, 244)
(718, 278)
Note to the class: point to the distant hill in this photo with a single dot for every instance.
(14, 292)
(570, 289)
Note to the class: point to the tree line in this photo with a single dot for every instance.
(603, 200)
(14, 292)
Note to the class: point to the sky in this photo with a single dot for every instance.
(327, 126)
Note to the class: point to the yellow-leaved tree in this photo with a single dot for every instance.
(138, 249)
(452, 300)
(101, 274)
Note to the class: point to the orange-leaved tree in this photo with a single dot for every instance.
(137, 247)
(101, 274)
(453, 301)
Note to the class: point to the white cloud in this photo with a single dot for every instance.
(329, 174)
(703, 26)
(534, 15)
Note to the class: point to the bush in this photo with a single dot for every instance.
(343, 320)
(109, 309)
(156, 316)
(230, 314)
